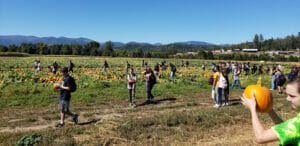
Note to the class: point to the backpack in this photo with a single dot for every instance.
(211, 80)
(152, 79)
(72, 84)
(282, 79)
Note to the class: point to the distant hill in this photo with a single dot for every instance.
(19, 39)
(195, 43)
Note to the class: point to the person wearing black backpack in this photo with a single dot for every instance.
(280, 79)
(150, 82)
(68, 85)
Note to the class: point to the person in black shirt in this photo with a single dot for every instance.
(55, 66)
(187, 63)
(173, 70)
(156, 69)
(254, 68)
(64, 98)
(127, 67)
(71, 66)
(105, 65)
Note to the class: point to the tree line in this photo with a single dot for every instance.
(290, 42)
(94, 48)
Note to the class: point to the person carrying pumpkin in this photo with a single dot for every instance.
(288, 132)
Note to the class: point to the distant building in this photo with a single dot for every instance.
(286, 52)
(272, 52)
(250, 50)
(192, 53)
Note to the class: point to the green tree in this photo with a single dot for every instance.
(42, 48)
(138, 53)
(91, 48)
(202, 54)
(76, 49)
(256, 41)
(261, 39)
(26, 48)
(66, 50)
(55, 49)
(108, 50)
(3, 48)
(12, 48)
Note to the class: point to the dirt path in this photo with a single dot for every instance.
(90, 115)
(110, 115)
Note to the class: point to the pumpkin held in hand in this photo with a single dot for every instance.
(56, 86)
(263, 96)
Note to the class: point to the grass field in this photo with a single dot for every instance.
(183, 114)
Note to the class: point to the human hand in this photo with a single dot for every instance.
(249, 103)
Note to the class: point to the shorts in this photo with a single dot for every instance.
(64, 105)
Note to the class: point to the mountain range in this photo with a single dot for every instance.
(7, 40)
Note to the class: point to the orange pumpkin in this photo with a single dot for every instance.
(56, 86)
(263, 96)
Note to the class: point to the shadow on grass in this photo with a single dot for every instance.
(235, 103)
(234, 100)
(89, 122)
(157, 101)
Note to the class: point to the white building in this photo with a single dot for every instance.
(252, 50)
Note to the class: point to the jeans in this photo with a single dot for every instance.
(220, 96)
(216, 96)
(238, 83)
(226, 94)
(149, 87)
(172, 74)
(131, 95)
(273, 82)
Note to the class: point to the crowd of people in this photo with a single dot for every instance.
(219, 79)
(285, 132)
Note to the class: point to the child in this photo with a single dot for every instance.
(65, 97)
(131, 86)
(288, 132)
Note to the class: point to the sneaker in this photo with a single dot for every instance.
(216, 106)
(226, 104)
(223, 104)
(59, 125)
(133, 105)
(75, 118)
(148, 101)
(271, 89)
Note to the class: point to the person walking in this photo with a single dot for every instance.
(236, 77)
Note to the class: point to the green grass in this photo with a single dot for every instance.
(181, 120)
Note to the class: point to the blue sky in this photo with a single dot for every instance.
(165, 21)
